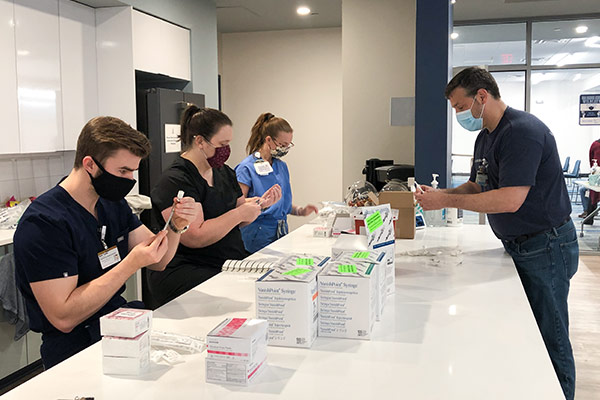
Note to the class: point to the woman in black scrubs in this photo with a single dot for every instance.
(200, 171)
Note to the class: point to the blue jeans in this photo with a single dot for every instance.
(546, 262)
(585, 201)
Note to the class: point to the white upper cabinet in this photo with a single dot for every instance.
(8, 83)
(160, 47)
(38, 75)
(78, 68)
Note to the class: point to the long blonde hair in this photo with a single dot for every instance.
(267, 124)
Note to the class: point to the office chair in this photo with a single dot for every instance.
(574, 174)
(566, 166)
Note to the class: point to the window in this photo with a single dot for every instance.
(498, 44)
(565, 42)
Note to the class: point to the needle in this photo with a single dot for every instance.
(179, 197)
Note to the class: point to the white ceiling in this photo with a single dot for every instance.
(500, 9)
(266, 15)
(269, 15)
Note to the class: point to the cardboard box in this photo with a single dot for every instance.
(233, 373)
(126, 322)
(347, 300)
(404, 202)
(114, 346)
(238, 339)
(368, 256)
(287, 297)
(126, 365)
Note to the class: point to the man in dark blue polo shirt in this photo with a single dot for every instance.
(77, 244)
(517, 179)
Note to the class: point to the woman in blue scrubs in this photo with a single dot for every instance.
(263, 170)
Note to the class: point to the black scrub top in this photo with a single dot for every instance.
(216, 200)
(57, 237)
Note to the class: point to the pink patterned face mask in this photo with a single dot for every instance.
(221, 156)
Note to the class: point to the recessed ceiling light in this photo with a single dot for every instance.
(581, 29)
(453, 1)
(303, 10)
(454, 35)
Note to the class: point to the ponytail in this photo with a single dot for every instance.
(204, 122)
(267, 124)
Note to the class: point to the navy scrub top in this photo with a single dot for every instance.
(57, 237)
(522, 151)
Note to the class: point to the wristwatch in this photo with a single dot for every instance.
(178, 231)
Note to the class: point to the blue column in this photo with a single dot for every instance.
(433, 140)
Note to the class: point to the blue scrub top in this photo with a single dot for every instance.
(264, 229)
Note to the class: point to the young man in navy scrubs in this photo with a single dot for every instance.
(517, 179)
(78, 243)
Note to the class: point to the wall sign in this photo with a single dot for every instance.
(589, 109)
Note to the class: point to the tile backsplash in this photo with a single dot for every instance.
(26, 175)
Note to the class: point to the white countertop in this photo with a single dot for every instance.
(6, 236)
(453, 330)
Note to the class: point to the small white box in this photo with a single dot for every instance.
(126, 365)
(369, 256)
(347, 300)
(238, 339)
(359, 243)
(126, 347)
(286, 296)
(233, 373)
(126, 322)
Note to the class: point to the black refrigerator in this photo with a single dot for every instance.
(158, 114)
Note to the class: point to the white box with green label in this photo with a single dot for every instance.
(286, 296)
(347, 299)
(349, 257)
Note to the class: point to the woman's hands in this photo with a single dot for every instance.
(271, 196)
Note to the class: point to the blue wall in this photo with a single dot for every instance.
(433, 144)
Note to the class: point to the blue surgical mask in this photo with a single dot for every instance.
(468, 121)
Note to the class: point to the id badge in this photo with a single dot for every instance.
(481, 179)
(109, 257)
(263, 168)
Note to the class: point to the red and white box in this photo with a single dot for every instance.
(232, 372)
(238, 339)
(126, 322)
(114, 346)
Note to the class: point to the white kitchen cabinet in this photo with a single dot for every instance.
(78, 68)
(116, 76)
(160, 47)
(38, 75)
(8, 83)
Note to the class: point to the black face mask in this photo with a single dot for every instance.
(109, 186)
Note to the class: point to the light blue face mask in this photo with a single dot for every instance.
(468, 121)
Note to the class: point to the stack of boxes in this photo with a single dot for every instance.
(126, 341)
(348, 297)
(287, 298)
(236, 351)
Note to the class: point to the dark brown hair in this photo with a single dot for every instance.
(266, 125)
(472, 79)
(101, 137)
(204, 122)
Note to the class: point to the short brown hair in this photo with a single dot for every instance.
(472, 79)
(266, 125)
(101, 137)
